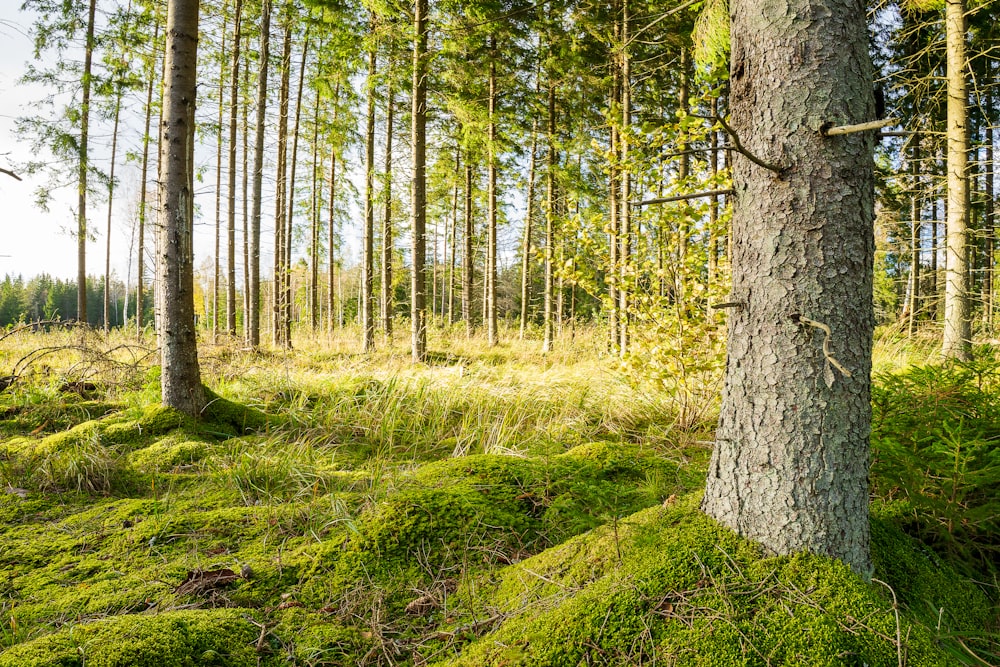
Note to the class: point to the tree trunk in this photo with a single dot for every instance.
(625, 220)
(287, 299)
(418, 307)
(331, 297)
(180, 380)
(550, 203)
(914, 300)
(277, 289)
(144, 179)
(790, 463)
(368, 248)
(314, 229)
(491, 241)
(468, 267)
(989, 223)
(81, 213)
(454, 237)
(258, 177)
(957, 319)
(526, 243)
(111, 199)
(387, 235)
(234, 89)
(217, 255)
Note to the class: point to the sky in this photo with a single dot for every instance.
(31, 241)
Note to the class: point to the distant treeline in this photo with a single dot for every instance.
(46, 298)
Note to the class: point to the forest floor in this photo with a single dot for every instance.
(490, 507)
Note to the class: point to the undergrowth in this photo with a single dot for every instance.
(490, 507)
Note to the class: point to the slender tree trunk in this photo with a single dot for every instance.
(288, 300)
(180, 380)
(491, 242)
(315, 197)
(253, 315)
(468, 265)
(454, 236)
(234, 90)
(526, 242)
(790, 465)
(550, 213)
(625, 222)
(144, 179)
(387, 235)
(111, 199)
(280, 199)
(613, 227)
(957, 318)
(217, 256)
(989, 221)
(246, 200)
(368, 263)
(81, 213)
(683, 172)
(418, 308)
(332, 225)
(915, 225)
(713, 202)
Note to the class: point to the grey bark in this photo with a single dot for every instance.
(180, 380)
(253, 316)
(234, 90)
(791, 458)
(957, 320)
(418, 306)
(368, 250)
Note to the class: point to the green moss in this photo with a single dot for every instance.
(672, 585)
(242, 418)
(169, 453)
(171, 639)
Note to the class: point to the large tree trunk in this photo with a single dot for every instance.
(253, 316)
(418, 306)
(957, 319)
(791, 458)
(180, 380)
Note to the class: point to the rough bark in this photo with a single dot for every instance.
(491, 197)
(791, 457)
(387, 235)
(144, 178)
(368, 249)
(418, 306)
(957, 319)
(180, 380)
(84, 165)
(253, 317)
(234, 89)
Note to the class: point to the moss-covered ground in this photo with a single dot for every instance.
(488, 508)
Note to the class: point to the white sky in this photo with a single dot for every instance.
(31, 241)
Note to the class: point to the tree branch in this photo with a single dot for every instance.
(860, 127)
(693, 195)
(738, 146)
(10, 173)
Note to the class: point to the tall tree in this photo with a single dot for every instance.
(368, 242)
(234, 89)
(957, 318)
(790, 463)
(387, 236)
(180, 380)
(418, 300)
(253, 316)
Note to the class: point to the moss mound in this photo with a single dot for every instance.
(171, 639)
(671, 585)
